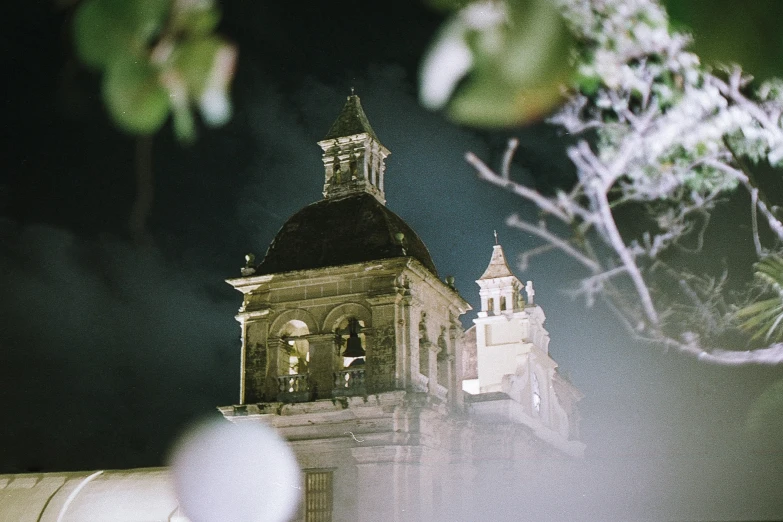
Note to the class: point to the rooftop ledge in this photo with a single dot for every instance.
(336, 404)
(499, 408)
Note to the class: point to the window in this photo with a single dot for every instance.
(502, 302)
(352, 342)
(297, 348)
(490, 304)
(318, 496)
(293, 361)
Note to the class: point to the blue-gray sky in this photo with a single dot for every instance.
(108, 348)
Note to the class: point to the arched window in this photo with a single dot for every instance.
(502, 302)
(491, 304)
(352, 342)
(297, 348)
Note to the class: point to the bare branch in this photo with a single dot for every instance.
(505, 169)
(543, 233)
(616, 242)
(754, 198)
(774, 223)
(595, 285)
(542, 202)
(524, 257)
(770, 355)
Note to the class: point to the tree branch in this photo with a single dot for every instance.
(488, 174)
(540, 231)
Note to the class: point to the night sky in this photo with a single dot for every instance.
(109, 346)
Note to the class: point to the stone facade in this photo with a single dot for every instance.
(311, 308)
(409, 443)
(353, 349)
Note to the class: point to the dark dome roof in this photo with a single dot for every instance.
(343, 231)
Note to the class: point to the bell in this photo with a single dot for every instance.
(353, 348)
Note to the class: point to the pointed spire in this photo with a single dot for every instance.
(353, 157)
(498, 267)
(351, 120)
(500, 288)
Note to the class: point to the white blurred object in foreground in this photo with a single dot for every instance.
(235, 473)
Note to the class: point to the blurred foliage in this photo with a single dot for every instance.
(157, 57)
(498, 64)
(726, 31)
(658, 128)
(519, 65)
(764, 318)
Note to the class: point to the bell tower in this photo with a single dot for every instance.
(352, 155)
(347, 301)
(352, 347)
(510, 333)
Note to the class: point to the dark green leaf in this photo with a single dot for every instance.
(136, 100)
(109, 30)
(197, 19)
(97, 37)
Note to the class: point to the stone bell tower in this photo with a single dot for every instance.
(352, 349)
(351, 344)
(346, 271)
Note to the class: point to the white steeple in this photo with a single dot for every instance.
(500, 288)
(509, 330)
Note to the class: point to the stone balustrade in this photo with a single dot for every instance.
(349, 382)
(293, 387)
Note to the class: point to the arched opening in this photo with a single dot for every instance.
(502, 303)
(351, 342)
(296, 346)
(491, 304)
(293, 383)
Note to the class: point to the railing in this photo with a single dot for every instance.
(293, 388)
(349, 382)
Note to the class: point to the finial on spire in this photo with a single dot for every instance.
(352, 91)
(496, 236)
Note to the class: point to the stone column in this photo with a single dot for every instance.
(382, 352)
(322, 367)
(255, 359)
(277, 365)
